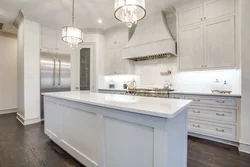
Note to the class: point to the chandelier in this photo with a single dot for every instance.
(70, 34)
(130, 11)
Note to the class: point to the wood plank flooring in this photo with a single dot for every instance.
(30, 147)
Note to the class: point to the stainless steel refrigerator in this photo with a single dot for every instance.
(55, 73)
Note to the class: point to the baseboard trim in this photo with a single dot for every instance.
(25, 122)
(223, 141)
(8, 111)
(244, 147)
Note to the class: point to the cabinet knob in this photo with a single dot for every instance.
(202, 66)
(205, 65)
(201, 19)
(205, 18)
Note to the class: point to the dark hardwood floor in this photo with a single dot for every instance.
(30, 147)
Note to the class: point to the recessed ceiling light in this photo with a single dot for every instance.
(99, 21)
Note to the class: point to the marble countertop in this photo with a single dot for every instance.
(159, 107)
(205, 93)
(188, 92)
(114, 90)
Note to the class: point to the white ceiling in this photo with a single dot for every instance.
(58, 12)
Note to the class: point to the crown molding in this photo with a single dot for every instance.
(19, 19)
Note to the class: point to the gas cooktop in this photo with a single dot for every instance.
(150, 92)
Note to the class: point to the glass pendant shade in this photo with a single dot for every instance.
(130, 11)
(72, 35)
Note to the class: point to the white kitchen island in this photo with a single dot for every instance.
(104, 130)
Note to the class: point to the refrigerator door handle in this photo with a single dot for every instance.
(54, 72)
(59, 73)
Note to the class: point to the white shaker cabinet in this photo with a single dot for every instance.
(48, 38)
(220, 43)
(110, 55)
(52, 39)
(114, 64)
(190, 15)
(191, 48)
(116, 38)
(61, 45)
(217, 8)
(207, 35)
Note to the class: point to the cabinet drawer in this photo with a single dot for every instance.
(227, 132)
(213, 114)
(230, 102)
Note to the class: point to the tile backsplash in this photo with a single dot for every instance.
(147, 74)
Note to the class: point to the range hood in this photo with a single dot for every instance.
(152, 39)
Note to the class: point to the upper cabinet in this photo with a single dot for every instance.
(51, 39)
(190, 15)
(116, 36)
(207, 35)
(219, 43)
(115, 39)
(191, 48)
(218, 8)
(48, 38)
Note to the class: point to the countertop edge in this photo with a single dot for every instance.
(136, 111)
(206, 94)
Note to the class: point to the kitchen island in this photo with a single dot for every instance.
(104, 130)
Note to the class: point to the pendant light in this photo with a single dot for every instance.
(130, 11)
(70, 34)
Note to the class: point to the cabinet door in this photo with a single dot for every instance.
(191, 48)
(220, 43)
(110, 61)
(190, 15)
(48, 38)
(122, 36)
(217, 8)
(110, 37)
(119, 62)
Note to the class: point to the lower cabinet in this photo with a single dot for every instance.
(213, 116)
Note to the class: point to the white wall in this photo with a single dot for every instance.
(29, 70)
(245, 65)
(8, 73)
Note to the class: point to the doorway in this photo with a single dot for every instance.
(86, 67)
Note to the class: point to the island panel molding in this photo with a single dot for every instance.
(99, 136)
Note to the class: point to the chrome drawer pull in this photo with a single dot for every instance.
(220, 114)
(196, 100)
(196, 112)
(176, 97)
(220, 101)
(197, 126)
(220, 130)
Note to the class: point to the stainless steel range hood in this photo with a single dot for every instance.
(152, 39)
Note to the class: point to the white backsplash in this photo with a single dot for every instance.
(147, 74)
(118, 81)
(149, 71)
